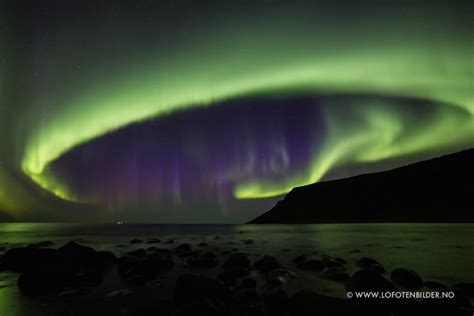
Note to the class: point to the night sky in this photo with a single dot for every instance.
(200, 111)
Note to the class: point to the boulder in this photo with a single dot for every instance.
(203, 259)
(182, 249)
(276, 302)
(19, 259)
(248, 282)
(312, 264)
(366, 262)
(433, 285)
(369, 281)
(281, 276)
(307, 302)
(190, 287)
(299, 259)
(406, 278)
(141, 253)
(267, 264)
(465, 287)
(136, 241)
(42, 244)
(153, 241)
(335, 274)
(237, 260)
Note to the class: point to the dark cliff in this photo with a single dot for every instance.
(436, 190)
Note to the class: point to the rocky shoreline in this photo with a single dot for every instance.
(226, 282)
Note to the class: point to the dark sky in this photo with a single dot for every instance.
(210, 111)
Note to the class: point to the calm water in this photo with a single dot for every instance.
(438, 252)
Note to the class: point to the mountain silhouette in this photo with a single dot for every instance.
(435, 190)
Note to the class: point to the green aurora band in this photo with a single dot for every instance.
(260, 56)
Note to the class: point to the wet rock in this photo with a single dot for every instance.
(377, 268)
(247, 296)
(236, 266)
(203, 244)
(237, 260)
(2, 249)
(341, 260)
(371, 264)
(206, 259)
(83, 258)
(331, 262)
(139, 270)
(217, 237)
(247, 241)
(136, 241)
(141, 253)
(42, 244)
(19, 259)
(354, 251)
(467, 288)
(312, 264)
(406, 278)
(89, 278)
(267, 264)
(248, 282)
(366, 262)
(182, 249)
(40, 283)
(121, 292)
(108, 258)
(276, 302)
(127, 263)
(369, 281)
(75, 292)
(160, 262)
(163, 252)
(190, 287)
(70, 265)
(281, 276)
(203, 306)
(307, 302)
(153, 241)
(169, 241)
(231, 275)
(335, 274)
(434, 285)
(299, 259)
(461, 299)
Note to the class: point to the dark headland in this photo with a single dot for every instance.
(435, 190)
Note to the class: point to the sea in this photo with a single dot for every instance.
(437, 252)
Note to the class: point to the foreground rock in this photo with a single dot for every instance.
(267, 264)
(369, 281)
(200, 295)
(406, 278)
(307, 302)
(335, 274)
(138, 270)
(280, 276)
(236, 267)
(203, 259)
(312, 264)
(45, 270)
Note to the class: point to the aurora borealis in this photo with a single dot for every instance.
(210, 111)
